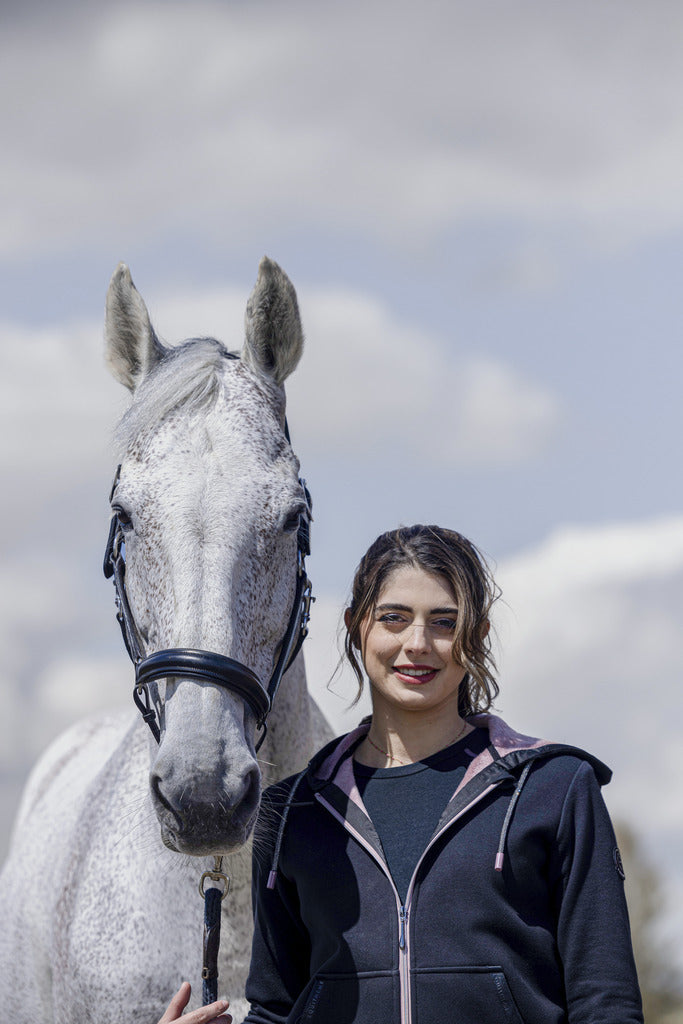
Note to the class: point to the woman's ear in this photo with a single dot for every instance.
(347, 622)
(484, 629)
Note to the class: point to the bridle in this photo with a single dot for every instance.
(207, 666)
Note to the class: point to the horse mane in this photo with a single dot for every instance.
(188, 376)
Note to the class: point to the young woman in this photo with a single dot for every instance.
(434, 864)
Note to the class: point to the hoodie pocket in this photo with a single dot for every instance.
(364, 998)
(311, 1005)
(479, 994)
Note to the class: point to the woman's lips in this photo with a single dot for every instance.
(415, 674)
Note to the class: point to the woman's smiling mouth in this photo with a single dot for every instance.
(415, 673)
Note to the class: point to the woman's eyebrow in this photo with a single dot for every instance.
(406, 608)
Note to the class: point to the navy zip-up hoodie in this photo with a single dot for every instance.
(515, 912)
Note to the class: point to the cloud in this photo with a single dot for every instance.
(373, 384)
(590, 655)
(75, 686)
(57, 401)
(57, 631)
(389, 120)
(368, 383)
(590, 651)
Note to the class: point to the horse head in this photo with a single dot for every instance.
(209, 501)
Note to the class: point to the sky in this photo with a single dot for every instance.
(480, 208)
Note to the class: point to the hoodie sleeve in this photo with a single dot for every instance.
(593, 933)
(280, 956)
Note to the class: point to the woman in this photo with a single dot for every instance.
(434, 864)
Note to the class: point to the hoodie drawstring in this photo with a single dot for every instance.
(281, 831)
(500, 855)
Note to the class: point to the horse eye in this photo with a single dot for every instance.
(291, 523)
(122, 516)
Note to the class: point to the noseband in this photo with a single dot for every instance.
(207, 666)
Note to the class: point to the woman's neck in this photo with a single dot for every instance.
(396, 739)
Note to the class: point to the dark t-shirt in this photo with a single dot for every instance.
(405, 803)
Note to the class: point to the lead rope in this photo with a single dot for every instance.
(213, 897)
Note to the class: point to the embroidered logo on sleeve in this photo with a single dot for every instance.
(618, 863)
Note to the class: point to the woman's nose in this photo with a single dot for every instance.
(418, 638)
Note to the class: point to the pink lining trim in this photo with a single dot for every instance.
(326, 769)
(505, 739)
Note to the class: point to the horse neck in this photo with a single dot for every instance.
(289, 742)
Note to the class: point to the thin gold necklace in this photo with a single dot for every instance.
(396, 759)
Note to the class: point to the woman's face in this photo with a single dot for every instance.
(407, 641)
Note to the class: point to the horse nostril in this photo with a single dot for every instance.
(155, 785)
(251, 790)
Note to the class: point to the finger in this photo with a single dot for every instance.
(178, 1003)
(211, 1014)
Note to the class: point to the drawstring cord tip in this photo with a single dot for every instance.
(271, 880)
(500, 857)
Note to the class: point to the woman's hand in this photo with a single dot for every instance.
(212, 1014)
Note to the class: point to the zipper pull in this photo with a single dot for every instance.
(403, 918)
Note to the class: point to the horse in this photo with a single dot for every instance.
(102, 917)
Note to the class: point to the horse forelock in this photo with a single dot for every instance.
(189, 377)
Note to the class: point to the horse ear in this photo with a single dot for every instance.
(274, 339)
(132, 347)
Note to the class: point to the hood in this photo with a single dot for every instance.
(505, 745)
(508, 753)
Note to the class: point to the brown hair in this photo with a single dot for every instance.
(454, 559)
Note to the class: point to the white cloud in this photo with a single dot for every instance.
(591, 655)
(46, 622)
(75, 686)
(57, 401)
(373, 384)
(590, 651)
(368, 382)
(395, 120)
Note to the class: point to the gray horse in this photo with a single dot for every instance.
(101, 913)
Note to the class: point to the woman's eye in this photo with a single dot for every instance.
(444, 625)
(391, 618)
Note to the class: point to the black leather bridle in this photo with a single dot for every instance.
(207, 666)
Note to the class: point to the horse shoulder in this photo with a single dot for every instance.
(43, 847)
(70, 760)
